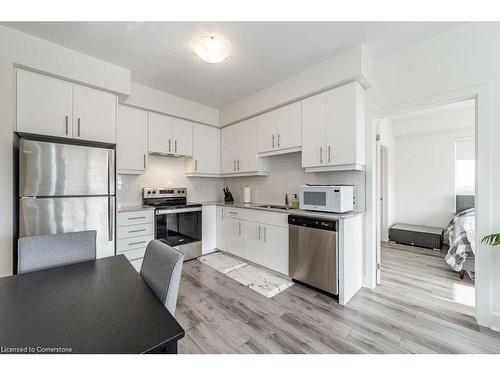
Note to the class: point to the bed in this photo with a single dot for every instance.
(460, 237)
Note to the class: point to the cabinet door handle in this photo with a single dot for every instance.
(321, 154)
(239, 228)
(222, 214)
(175, 143)
(67, 120)
(137, 230)
(144, 161)
(137, 217)
(279, 140)
(329, 154)
(136, 243)
(238, 164)
(196, 165)
(234, 165)
(169, 145)
(265, 233)
(273, 140)
(78, 126)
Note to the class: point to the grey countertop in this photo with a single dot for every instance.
(131, 208)
(291, 211)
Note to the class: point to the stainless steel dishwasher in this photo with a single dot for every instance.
(313, 258)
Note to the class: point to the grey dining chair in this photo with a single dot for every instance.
(161, 270)
(52, 250)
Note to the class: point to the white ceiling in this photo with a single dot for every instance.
(263, 53)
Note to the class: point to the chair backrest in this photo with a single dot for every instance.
(52, 250)
(161, 270)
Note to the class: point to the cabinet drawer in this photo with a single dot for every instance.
(235, 213)
(133, 243)
(134, 217)
(135, 231)
(269, 218)
(135, 254)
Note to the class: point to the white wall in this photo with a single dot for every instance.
(463, 61)
(166, 171)
(425, 177)
(285, 178)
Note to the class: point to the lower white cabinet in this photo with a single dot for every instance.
(220, 228)
(135, 229)
(254, 245)
(275, 249)
(234, 236)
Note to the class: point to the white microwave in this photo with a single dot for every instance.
(328, 198)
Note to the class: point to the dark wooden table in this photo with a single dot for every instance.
(100, 306)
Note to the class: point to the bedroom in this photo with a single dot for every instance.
(426, 179)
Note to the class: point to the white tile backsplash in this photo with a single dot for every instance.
(285, 178)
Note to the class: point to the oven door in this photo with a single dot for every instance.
(179, 226)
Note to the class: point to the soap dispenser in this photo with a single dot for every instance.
(295, 201)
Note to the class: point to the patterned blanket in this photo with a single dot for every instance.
(459, 235)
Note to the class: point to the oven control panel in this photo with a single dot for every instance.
(164, 192)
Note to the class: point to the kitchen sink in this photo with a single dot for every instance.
(273, 207)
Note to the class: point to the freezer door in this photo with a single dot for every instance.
(61, 215)
(54, 169)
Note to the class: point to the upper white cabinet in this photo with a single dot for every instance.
(239, 150)
(206, 152)
(132, 140)
(333, 130)
(168, 135)
(94, 116)
(280, 131)
(53, 107)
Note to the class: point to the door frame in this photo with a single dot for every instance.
(481, 94)
(382, 197)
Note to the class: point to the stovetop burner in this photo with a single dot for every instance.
(166, 198)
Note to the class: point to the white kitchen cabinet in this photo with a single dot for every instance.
(53, 107)
(208, 229)
(132, 140)
(94, 115)
(333, 126)
(234, 236)
(206, 152)
(44, 105)
(169, 135)
(275, 249)
(280, 131)
(160, 133)
(239, 150)
(253, 248)
(220, 223)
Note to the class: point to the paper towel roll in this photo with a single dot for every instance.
(247, 195)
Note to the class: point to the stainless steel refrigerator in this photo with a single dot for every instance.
(67, 188)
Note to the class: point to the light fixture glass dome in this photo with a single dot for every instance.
(211, 49)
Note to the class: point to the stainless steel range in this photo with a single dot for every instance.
(177, 222)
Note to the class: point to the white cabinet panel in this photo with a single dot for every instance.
(313, 130)
(182, 136)
(234, 236)
(208, 229)
(132, 140)
(160, 133)
(266, 132)
(135, 217)
(275, 252)
(220, 238)
(134, 230)
(247, 146)
(44, 105)
(206, 151)
(253, 246)
(229, 149)
(289, 126)
(94, 115)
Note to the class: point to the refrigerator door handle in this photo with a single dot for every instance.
(111, 172)
(111, 211)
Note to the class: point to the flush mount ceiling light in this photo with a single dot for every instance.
(210, 49)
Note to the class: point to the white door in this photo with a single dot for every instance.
(229, 148)
(94, 116)
(220, 237)
(182, 136)
(44, 105)
(160, 133)
(289, 126)
(341, 125)
(253, 248)
(267, 132)
(206, 149)
(132, 140)
(313, 130)
(246, 160)
(234, 236)
(276, 248)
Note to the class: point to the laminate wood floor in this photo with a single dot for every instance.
(421, 306)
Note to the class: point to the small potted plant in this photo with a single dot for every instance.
(492, 239)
